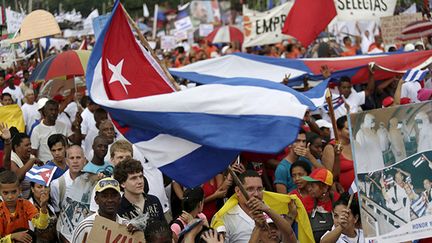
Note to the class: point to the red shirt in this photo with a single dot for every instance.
(308, 202)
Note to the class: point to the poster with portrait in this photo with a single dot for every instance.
(393, 158)
(204, 12)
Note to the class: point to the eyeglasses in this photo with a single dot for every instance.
(252, 190)
(104, 183)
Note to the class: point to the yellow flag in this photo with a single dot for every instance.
(279, 203)
(12, 116)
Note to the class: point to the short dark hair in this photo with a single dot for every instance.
(344, 199)
(57, 138)
(340, 122)
(301, 163)
(301, 131)
(311, 137)
(191, 198)
(344, 79)
(346, 38)
(51, 102)
(6, 94)
(8, 177)
(248, 173)
(158, 228)
(126, 167)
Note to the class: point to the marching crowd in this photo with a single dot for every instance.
(98, 172)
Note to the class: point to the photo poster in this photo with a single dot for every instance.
(392, 150)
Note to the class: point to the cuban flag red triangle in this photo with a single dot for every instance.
(128, 69)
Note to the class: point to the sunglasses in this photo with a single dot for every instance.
(108, 183)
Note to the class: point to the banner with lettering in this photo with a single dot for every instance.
(364, 9)
(13, 20)
(393, 161)
(392, 26)
(262, 28)
(105, 230)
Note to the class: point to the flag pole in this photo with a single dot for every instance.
(148, 47)
(332, 114)
(238, 183)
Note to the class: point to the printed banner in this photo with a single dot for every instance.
(262, 28)
(205, 29)
(168, 42)
(13, 20)
(391, 27)
(393, 157)
(183, 24)
(364, 9)
(105, 230)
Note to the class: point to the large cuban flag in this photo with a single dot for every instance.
(194, 134)
(242, 65)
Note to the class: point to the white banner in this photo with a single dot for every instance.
(13, 20)
(261, 28)
(364, 9)
(205, 29)
(183, 24)
(168, 42)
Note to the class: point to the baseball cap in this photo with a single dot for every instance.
(320, 175)
(405, 100)
(323, 123)
(41, 103)
(387, 101)
(8, 76)
(107, 183)
(424, 94)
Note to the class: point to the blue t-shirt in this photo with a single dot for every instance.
(283, 176)
(95, 169)
(59, 171)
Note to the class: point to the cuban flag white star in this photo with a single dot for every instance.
(117, 75)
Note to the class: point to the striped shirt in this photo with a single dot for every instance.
(83, 229)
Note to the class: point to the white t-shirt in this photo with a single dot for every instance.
(410, 90)
(238, 225)
(30, 114)
(40, 135)
(55, 190)
(345, 239)
(355, 100)
(88, 127)
(16, 94)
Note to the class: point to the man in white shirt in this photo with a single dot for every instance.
(108, 198)
(353, 99)
(88, 127)
(15, 91)
(48, 126)
(30, 110)
(238, 225)
(75, 160)
(410, 90)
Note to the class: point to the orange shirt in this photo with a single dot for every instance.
(25, 211)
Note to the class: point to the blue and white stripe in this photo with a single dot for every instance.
(34, 174)
(413, 75)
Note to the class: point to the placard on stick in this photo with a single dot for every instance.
(107, 231)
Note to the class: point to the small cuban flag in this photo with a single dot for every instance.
(41, 174)
(414, 75)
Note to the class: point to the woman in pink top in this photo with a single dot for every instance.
(192, 205)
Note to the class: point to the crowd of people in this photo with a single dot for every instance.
(98, 172)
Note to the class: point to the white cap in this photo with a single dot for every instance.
(41, 103)
(323, 123)
(409, 47)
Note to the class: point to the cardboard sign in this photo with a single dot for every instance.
(393, 158)
(262, 28)
(364, 9)
(107, 231)
(392, 26)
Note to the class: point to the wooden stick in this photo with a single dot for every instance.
(350, 201)
(148, 47)
(40, 51)
(238, 183)
(332, 115)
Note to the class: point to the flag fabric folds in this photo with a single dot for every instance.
(279, 203)
(274, 69)
(12, 116)
(195, 132)
(41, 174)
(413, 75)
(316, 15)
